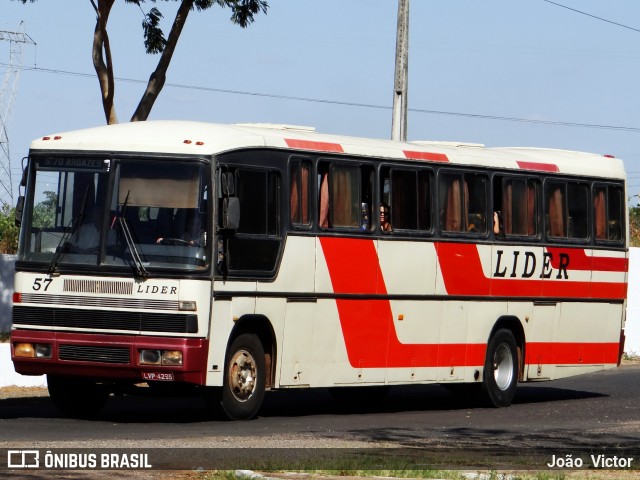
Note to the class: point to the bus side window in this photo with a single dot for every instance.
(518, 211)
(408, 194)
(463, 203)
(578, 203)
(475, 203)
(344, 196)
(608, 213)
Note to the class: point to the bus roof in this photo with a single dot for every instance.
(205, 139)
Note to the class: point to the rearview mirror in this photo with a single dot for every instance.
(18, 212)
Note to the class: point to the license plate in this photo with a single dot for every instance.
(161, 377)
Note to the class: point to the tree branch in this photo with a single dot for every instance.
(159, 75)
(104, 69)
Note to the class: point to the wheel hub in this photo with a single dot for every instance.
(503, 366)
(242, 375)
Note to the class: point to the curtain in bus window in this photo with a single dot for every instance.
(531, 209)
(556, 226)
(404, 205)
(424, 201)
(453, 209)
(507, 211)
(521, 207)
(299, 201)
(465, 213)
(615, 213)
(600, 214)
(578, 203)
(345, 197)
(475, 201)
(294, 200)
(323, 214)
(398, 204)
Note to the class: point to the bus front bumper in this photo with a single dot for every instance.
(110, 357)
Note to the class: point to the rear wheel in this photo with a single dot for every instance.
(500, 378)
(76, 397)
(243, 388)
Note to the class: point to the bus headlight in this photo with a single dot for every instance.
(32, 350)
(24, 350)
(43, 350)
(150, 357)
(161, 357)
(172, 357)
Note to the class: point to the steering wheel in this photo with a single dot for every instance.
(174, 241)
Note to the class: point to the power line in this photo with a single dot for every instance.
(351, 104)
(593, 16)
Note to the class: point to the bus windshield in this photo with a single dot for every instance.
(140, 214)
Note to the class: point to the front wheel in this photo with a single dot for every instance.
(76, 397)
(500, 377)
(243, 387)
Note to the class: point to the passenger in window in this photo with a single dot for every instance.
(497, 223)
(385, 213)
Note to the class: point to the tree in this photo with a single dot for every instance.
(44, 212)
(8, 231)
(242, 13)
(634, 226)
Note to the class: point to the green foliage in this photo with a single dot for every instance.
(634, 226)
(243, 13)
(8, 231)
(44, 213)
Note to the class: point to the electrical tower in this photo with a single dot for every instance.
(8, 91)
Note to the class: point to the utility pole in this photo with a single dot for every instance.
(401, 80)
(8, 91)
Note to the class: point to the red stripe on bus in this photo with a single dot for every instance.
(565, 353)
(430, 156)
(541, 167)
(311, 145)
(581, 261)
(463, 275)
(367, 324)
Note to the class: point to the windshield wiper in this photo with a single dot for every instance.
(71, 228)
(139, 270)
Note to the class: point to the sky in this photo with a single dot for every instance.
(479, 71)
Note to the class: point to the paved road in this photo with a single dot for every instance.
(595, 409)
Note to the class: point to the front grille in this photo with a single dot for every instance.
(105, 320)
(98, 286)
(81, 353)
(100, 302)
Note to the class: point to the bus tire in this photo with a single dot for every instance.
(244, 378)
(76, 397)
(500, 377)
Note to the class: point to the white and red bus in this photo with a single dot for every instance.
(234, 260)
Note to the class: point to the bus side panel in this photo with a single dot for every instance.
(348, 269)
(224, 310)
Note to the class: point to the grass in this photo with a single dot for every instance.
(4, 337)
